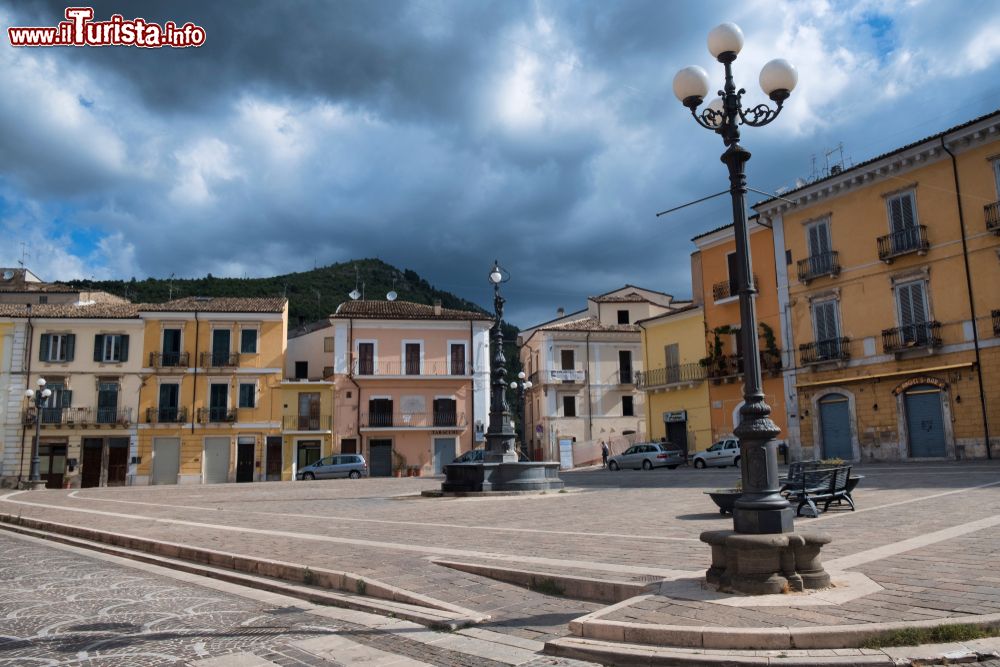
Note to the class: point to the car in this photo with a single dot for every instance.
(338, 465)
(725, 452)
(648, 455)
(476, 456)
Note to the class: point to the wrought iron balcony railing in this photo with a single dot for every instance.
(834, 349)
(396, 368)
(903, 242)
(815, 266)
(992, 212)
(729, 364)
(166, 415)
(726, 289)
(996, 322)
(912, 336)
(668, 375)
(169, 359)
(220, 359)
(83, 417)
(216, 415)
(307, 423)
(406, 420)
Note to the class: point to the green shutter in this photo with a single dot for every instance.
(70, 346)
(99, 347)
(124, 348)
(66, 398)
(43, 348)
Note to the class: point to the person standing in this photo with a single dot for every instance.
(604, 454)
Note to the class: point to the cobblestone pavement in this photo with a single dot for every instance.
(62, 607)
(915, 533)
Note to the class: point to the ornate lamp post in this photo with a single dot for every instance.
(40, 399)
(761, 511)
(521, 385)
(499, 434)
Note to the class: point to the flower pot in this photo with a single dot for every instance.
(725, 499)
(398, 473)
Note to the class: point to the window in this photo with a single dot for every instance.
(218, 402)
(625, 366)
(826, 329)
(220, 346)
(445, 412)
(819, 238)
(107, 402)
(411, 352)
(622, 317)
(458, 359)
(366, 358)
(56, 347)
(169, 403)
(301, 370)
(248, 395)
(248, 341)
(328, 344)
(171, 347)
(902, 212)
(732, 267)
(672, 362)
(43, 299)
(567, 360)
(110, 348)
(627, 409)
(569, 406)
(61, 398)
(911, 302)
(996, 175)
(309, 411)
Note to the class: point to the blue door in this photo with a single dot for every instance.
(835, 427)
(924, 421)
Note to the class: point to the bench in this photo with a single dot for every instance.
(819, 484)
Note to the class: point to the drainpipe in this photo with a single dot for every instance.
(29, 334)
(972, 303)
(472, 387)
(590, 409)
(647, 402)
(194, 388)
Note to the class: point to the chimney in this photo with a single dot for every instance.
(437, 306)
(560, 312)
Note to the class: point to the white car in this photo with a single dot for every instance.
(725, 452)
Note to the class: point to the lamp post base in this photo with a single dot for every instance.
(761, 522)
(765, 564)
(29, 485)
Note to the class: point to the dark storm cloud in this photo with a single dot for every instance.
(439, 135)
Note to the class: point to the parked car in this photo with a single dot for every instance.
(725, 452)
(339, 465)
(476, 456)
(648, 455)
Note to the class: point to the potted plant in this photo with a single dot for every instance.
(725, 499)
(398, 463)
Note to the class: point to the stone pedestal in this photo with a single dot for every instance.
(504, 476)
(33, 486)
(765, 564)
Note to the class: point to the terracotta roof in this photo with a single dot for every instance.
(104, 311)
(592, 324)
(606, 296)
(225, 304)
(402, 310)
(624, 298)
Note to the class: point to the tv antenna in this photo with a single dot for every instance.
(391, 296)
(171, 288)
(24, 254)
(355, 294)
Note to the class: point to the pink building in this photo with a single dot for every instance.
(412, 383)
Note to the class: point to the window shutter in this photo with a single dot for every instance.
(70, 346)
(124, 348)
(66, 398)
(917, 299)
(99, 347)
(906, 206)
(905, 306)
(43, 348)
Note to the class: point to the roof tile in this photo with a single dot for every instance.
(402, 310)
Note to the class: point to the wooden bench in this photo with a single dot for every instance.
(816, 484)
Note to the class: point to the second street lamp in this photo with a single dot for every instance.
(521, 385)
(40, 398)
(758, 560)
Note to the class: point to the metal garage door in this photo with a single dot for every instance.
(166, 460)
(924, 422)
(835, 424)
(216, 460)
(380, 452)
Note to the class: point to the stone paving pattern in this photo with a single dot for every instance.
(624, 524)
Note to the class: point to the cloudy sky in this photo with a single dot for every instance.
(439, 134)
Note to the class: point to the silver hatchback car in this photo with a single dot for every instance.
(339, 465)
(647, 455)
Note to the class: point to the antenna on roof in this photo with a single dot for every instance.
(355, 294)
(24, 254)
(171, 297)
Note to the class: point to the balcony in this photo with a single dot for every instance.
(730, 365)
(670, 375)
(996, 322)
(220, 359)
(307, 423)
(822, 351)
(80, 417)
(169, 360)
(216, 415)
(912, 336)
(728, 289)
(992, 212)
(904, 242)
(396, 369)
(817, 266)
(165, 415)
(413, 420)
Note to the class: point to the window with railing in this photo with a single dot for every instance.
(445, 412)
(834, 349)
(992, 213)
(917, 335)
(728, 288)
(903, 242)
(659, 377)
(996, 322)
(815, 266)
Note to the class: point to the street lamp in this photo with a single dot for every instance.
(761, 510)
(521, 385)
(40, 398)
(499, 434)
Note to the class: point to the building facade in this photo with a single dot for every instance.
(210, 407)
(582, 367)
(412, 383)
(889, 296)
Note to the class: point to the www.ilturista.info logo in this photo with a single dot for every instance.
(80, 30)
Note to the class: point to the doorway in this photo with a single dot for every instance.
(246, 449)
(117, 461)
(307, 453)
(216, 457)
(835, 427)
(924, 421)
(90, 468)
(677, 434)
(166, 460)
(52, 458)
(274, 459)
(380, 452)
(444, 453)
(349, 446)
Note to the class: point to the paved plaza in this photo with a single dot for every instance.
(925, 538)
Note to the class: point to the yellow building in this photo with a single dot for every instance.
(677, 403)
(713, 269)
(306, 426)
(211, 402)
(890, 297)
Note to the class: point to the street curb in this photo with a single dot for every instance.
(575, 587)
(257, 572)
